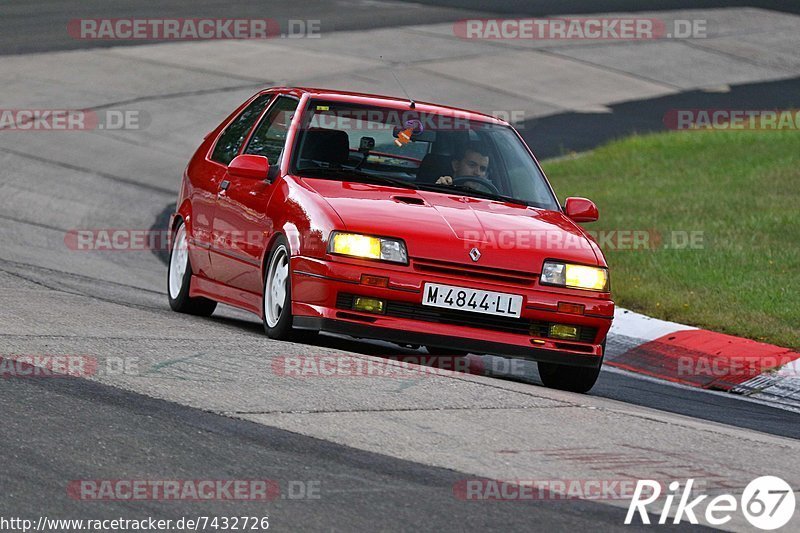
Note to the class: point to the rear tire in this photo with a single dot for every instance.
(179, 276)
(570, 378)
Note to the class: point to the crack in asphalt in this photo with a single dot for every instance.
(64, 290)
(621, 412)
(181, 94)
(493, 88)
(116, 55)
(86, 170)
(32, 223)
(389, 410)
(156, 97)
(699, 46)
(70, 274)
(553, 52)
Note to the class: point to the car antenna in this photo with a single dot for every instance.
(411, 103)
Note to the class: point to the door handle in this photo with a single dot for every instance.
(224, 186)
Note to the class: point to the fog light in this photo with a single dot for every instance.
(368, 305)
(560, 331)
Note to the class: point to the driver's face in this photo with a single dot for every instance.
(472, 164)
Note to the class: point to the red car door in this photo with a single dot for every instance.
(205, 174)
(241, 229)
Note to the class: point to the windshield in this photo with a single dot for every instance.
(418, 150)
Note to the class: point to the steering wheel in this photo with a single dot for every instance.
(476, 183)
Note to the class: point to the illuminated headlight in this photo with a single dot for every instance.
(368, 247)
(574, 276)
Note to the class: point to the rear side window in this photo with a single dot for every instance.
(270, 136)
(231, 140)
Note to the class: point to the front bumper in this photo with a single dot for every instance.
(318, 288)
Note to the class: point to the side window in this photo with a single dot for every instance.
(231, 140)
(270, 136)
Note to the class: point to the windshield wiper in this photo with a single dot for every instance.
(358, 175)
(466, 191)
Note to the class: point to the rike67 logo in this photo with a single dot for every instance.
(767, 502)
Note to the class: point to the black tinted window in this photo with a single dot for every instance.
(232, 138)
(269, 138)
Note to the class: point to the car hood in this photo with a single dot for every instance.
(445, 227)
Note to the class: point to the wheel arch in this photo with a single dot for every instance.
(294, 247)
(183, 214)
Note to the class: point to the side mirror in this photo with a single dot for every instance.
(249, 166)
(581, 209)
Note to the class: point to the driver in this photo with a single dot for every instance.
(471, 160)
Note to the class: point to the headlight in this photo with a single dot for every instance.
(574, 276)
(367, 247)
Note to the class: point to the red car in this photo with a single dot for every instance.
(390, 219)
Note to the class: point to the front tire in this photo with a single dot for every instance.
(570, 378)
(179, 276)
(277, 298)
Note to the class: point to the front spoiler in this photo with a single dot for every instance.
(369, 331)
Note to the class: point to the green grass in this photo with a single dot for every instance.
(740, 188)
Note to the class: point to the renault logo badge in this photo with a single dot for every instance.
(475, 254)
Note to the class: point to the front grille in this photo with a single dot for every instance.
(521, 326)
(463, 270)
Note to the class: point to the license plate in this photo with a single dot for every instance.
(476, 301)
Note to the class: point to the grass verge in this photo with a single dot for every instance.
(736, 193)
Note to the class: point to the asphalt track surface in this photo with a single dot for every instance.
(134, 434)
(27, 27)
(56, 430)
(38, 26)
(563, 133)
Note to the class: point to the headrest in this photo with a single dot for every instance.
(331, 146)
(433, 166)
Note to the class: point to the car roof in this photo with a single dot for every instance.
(387, 101)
